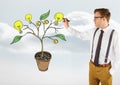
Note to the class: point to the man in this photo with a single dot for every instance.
(105, 47)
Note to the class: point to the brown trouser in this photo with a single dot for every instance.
(99, 75)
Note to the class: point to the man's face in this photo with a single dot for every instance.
(98, 19)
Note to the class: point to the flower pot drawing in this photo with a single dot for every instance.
(43, 61)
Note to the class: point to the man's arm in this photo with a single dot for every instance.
(116, 48)
(86, 35)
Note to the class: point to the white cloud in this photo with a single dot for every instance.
(67, 62)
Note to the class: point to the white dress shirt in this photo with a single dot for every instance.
(114, 52)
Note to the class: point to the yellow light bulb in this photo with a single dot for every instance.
(58, 16)
(18, 25)
(55, 41)
(28, 17)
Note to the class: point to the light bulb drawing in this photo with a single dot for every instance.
(28, 17)
(58, 17)
(18, 26)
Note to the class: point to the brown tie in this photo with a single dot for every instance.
(98, 49)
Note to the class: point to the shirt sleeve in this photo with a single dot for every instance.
(86, 35)
(116, 49)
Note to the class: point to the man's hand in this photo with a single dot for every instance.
(65, 22)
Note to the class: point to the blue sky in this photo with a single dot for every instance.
(16, 9)
(69, 64)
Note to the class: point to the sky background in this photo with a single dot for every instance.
(70, 59)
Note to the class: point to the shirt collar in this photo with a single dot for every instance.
(105, 29)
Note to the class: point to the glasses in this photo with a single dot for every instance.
(97, 17)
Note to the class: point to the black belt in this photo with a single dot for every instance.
(101, 65)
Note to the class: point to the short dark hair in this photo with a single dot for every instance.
(104, 13)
